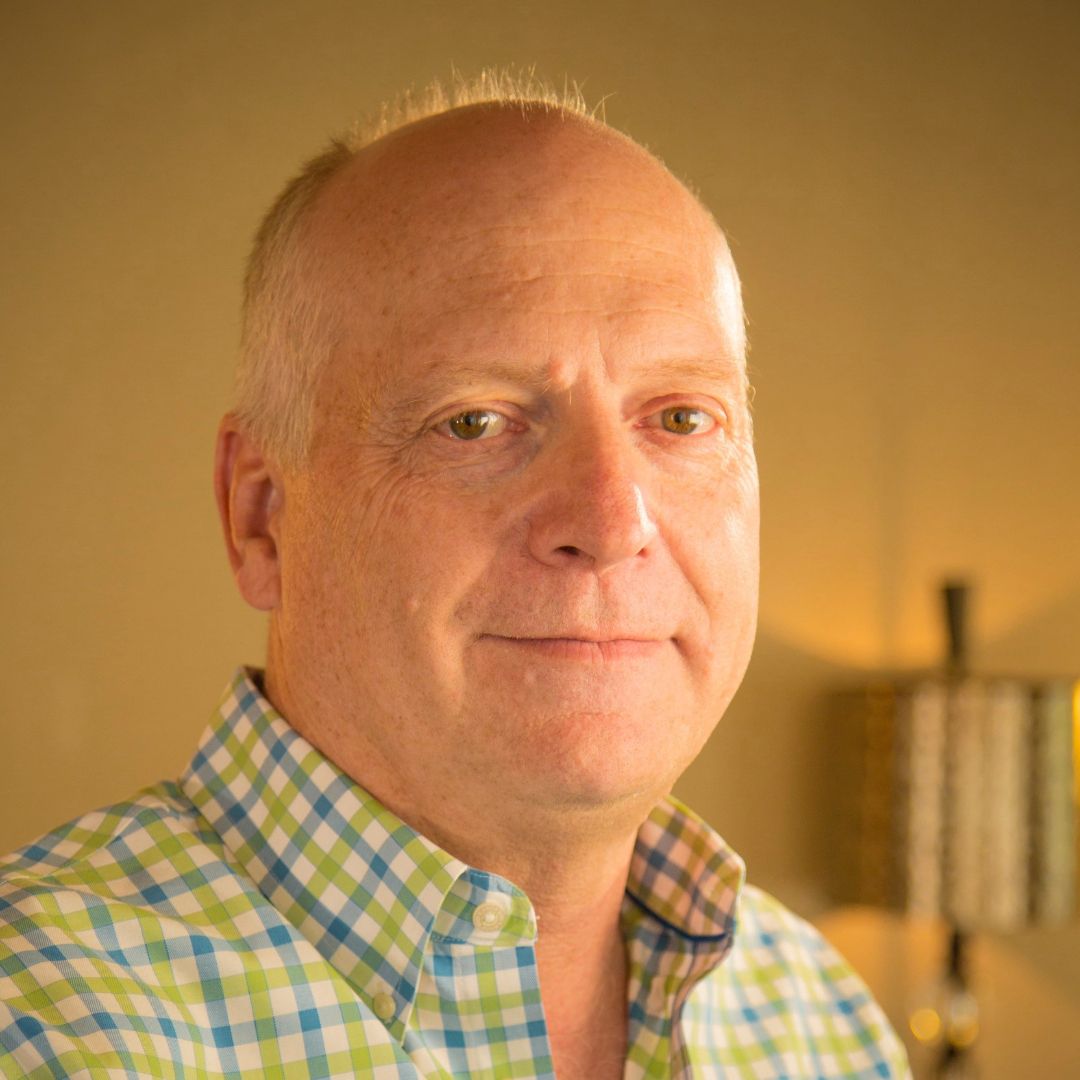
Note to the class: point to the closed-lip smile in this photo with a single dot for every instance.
(589, 648)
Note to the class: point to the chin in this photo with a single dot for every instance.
(603, 760)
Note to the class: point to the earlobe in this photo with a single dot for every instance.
(250, 497)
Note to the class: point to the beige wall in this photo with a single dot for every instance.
(901, 187)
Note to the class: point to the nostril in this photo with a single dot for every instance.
(570, 549)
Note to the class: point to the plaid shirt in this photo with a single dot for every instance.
(266, 917)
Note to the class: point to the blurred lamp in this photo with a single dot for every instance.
(966, 809)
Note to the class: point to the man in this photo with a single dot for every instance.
(491, 474)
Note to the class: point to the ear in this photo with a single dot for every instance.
(250, 497)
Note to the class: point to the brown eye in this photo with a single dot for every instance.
(682, 420)
(475, 424)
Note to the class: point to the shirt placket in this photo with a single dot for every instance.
(478, 1011)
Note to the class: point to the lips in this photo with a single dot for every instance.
(586, 648)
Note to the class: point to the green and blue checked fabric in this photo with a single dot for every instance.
(265, 917)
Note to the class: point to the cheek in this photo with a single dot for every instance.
(713, 537)
(403, 546)
(712, 526)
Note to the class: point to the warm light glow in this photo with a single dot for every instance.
(962, 1033)
(963, 1028)
(866, 630)
(925, 1025)
(1076, 743)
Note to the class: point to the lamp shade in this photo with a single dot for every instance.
(958, 800)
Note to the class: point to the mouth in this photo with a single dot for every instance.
(597, 650)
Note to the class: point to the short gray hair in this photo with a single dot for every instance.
(287, 336)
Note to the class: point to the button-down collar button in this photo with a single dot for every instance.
(382, 1005)
(489, 916)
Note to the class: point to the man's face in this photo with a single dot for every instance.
(524, 550)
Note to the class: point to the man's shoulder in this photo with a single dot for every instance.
(785, 993)
(766, 926)
(132, 943)
(117, 876)
(128, 853)
(113, 873)
(97, 835)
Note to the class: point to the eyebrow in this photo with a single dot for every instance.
(440, 379)
(700, 369)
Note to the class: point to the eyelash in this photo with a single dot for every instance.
(711, 420)
(654, 420)
(443, 427)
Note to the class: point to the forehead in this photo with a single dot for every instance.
(481, 226)
(484, 160)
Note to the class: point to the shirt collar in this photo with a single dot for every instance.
(679, 911)
(684, 876)
(368, 891)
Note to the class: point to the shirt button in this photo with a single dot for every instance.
(489, 916)
(383, 1006)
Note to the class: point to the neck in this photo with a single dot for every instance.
(582, 964)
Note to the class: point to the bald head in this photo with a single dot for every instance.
(364, 234)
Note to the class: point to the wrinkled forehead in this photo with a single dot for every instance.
(488, 192)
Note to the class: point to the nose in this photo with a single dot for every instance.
(592, 512)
